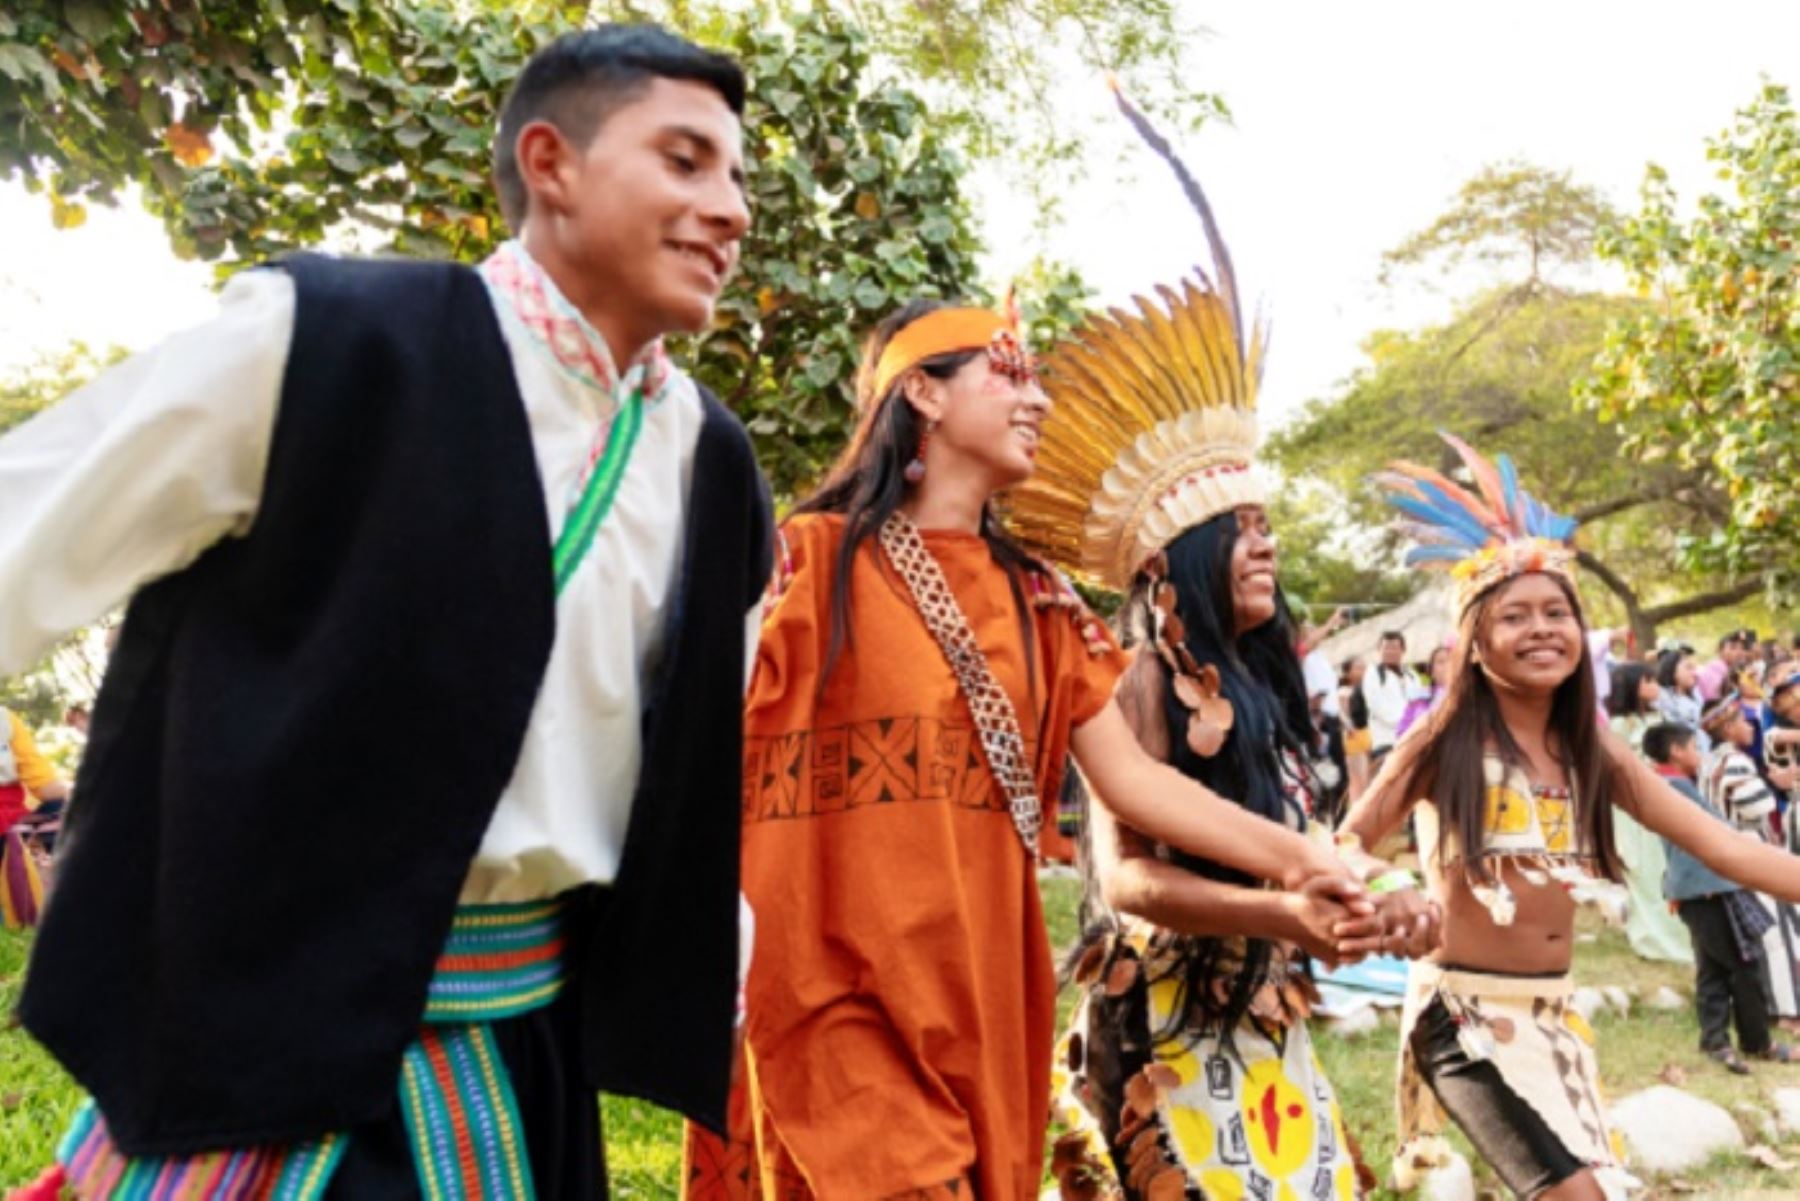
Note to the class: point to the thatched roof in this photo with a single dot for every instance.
(1425, 620)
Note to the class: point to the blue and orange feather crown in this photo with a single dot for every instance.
(1483, 537)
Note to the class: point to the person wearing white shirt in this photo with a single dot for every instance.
(394, 847)
(1386, 688)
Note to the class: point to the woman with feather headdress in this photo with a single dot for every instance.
(1512, 784)
(1189, 1065)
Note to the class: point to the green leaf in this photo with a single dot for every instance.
(345, 159)
(937, 229)
(21, 62)
(823, 371)
(90, 19)
(870, 295)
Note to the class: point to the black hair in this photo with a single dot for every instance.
(1264, 756)
(868, 482)
(1663, 739)
(1667, 664)
(582, 78)
(1394, 636)
(1627, 681)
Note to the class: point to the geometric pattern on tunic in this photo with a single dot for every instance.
(883, 761)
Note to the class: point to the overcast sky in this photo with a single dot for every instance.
(1354, 125)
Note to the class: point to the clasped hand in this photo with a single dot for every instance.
(1337, 921)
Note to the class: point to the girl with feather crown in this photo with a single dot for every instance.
(1189, 1067)
(1512, 784)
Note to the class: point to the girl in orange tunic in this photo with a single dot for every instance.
(900, 1000)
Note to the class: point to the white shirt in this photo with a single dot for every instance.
(133, 476)
(1321, 680)
(1386, 699)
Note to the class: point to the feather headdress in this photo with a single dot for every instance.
(1481, 537)
(1155, 420)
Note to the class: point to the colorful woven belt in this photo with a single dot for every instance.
(456, 1096)
(500, 961)
(468, 1142)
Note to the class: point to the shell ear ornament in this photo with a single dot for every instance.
(1210, 715)
(1197, 686)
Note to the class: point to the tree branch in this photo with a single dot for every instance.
(1618, 504)
(1615, 583)
(1706, 602)
(1503, 308)
(357, 212)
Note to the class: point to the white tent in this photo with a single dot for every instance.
(1424, 620)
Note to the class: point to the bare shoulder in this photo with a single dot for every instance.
(1140, 695)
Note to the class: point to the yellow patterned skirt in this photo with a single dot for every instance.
(1156, 1108)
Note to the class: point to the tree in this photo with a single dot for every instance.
(1325, 562)
(1525, 223)
(1500, 373)
(254, 129)
(1514, 216)
(49, 377)
(1706, 374)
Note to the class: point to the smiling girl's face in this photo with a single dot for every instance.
(1530, 636)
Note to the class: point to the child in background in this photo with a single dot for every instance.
(1726, 923)
(1735, 788)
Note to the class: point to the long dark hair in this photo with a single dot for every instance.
(1260, 674)
(868, 481)
(1627, 682)
(1467, 726)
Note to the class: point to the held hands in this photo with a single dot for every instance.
(1322, 906)
(1406, 923)
(1350, 905)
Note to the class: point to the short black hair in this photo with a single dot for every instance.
(580, 79)
(1663, 739)
(1394, 636)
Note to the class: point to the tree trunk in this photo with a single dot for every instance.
(1644, 619)
(1643, 628)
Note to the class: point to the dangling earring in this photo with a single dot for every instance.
(915, 470)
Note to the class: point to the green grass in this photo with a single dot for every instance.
(644, 1143)
(36, 1098)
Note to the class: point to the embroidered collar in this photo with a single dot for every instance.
(515, 279)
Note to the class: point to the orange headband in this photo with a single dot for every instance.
(945, 331)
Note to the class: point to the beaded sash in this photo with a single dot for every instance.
(996, 721)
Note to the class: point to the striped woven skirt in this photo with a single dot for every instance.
(489, 1056)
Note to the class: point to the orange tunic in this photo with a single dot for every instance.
(901, 997)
